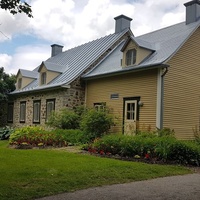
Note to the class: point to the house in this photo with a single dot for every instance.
(150, 81)
(56, 83)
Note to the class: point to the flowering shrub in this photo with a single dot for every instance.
(159, 148)
(36, 135)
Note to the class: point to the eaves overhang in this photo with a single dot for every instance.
(126, 70)
(42, 89)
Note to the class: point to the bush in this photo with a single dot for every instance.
(73, 137)
(96, 123)
(65, 119)
(165, 148)
(36, 135)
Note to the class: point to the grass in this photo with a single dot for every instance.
(30, 174)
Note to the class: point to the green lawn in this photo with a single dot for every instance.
(30, 174)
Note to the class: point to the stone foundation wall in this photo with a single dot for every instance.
(64, 97)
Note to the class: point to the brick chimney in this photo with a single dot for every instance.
(56, 49)
(192, 11)
(122, 22)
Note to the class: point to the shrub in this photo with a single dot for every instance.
(65, 119)
(96, 123)
(165, 132)
(165, 148)
(185, 152)
(36, 135)
(73, 137)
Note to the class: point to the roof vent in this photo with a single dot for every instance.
(56, 49)
(122, 22)
(192, 11)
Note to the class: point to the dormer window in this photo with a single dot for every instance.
(131, 57)
(19, 83)
(43, 78)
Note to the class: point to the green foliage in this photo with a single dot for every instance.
(36, 135)
(73, 137)
(165, 132)
(165, 148)
(5, 132)
(65, 119)
(7, 84)
(33, 174)
(185, 152)
(96, 123)
(16, 6)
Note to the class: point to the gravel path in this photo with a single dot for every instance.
(186, 187)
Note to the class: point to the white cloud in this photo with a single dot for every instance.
(73, 22)
(10, 25)
(28, 57)
(5, 61)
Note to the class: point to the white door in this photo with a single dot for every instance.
(130, 113)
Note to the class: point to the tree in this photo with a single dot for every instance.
(16, 6)
(7, 84)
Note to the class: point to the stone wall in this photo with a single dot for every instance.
(64, 97)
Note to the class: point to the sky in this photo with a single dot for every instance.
(26, 42)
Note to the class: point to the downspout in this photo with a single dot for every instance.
(162, 98)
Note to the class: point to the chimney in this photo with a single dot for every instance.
(56, 49)
(192, 11)
(122, 22)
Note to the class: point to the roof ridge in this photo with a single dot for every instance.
(159, 29)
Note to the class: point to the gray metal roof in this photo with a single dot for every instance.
(28, 74)
(166, 43)
(73, 62)
(51, 66)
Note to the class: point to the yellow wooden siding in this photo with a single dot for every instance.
(182, 89)
(140, 55)
(25, 81)
(49, 74)
(142, 84)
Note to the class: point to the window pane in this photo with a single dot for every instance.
(130, 111)
(19, 83)
(100, 106)
(43, 78)
(36, 111)
(22, 111)
(131, 57)
(50, 106)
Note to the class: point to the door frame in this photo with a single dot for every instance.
(137, 109)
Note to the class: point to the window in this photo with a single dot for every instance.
(131, 57)
(22, 117)
(19, 83)
(100, 106)
(10, 112)
(43, 78)
(50, 106)
(36, 111)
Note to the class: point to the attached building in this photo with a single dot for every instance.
(148, 82)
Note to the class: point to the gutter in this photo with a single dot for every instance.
(161, 99)
(36, 90)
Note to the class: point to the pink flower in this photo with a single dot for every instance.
(147, 156)
(101, 152)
